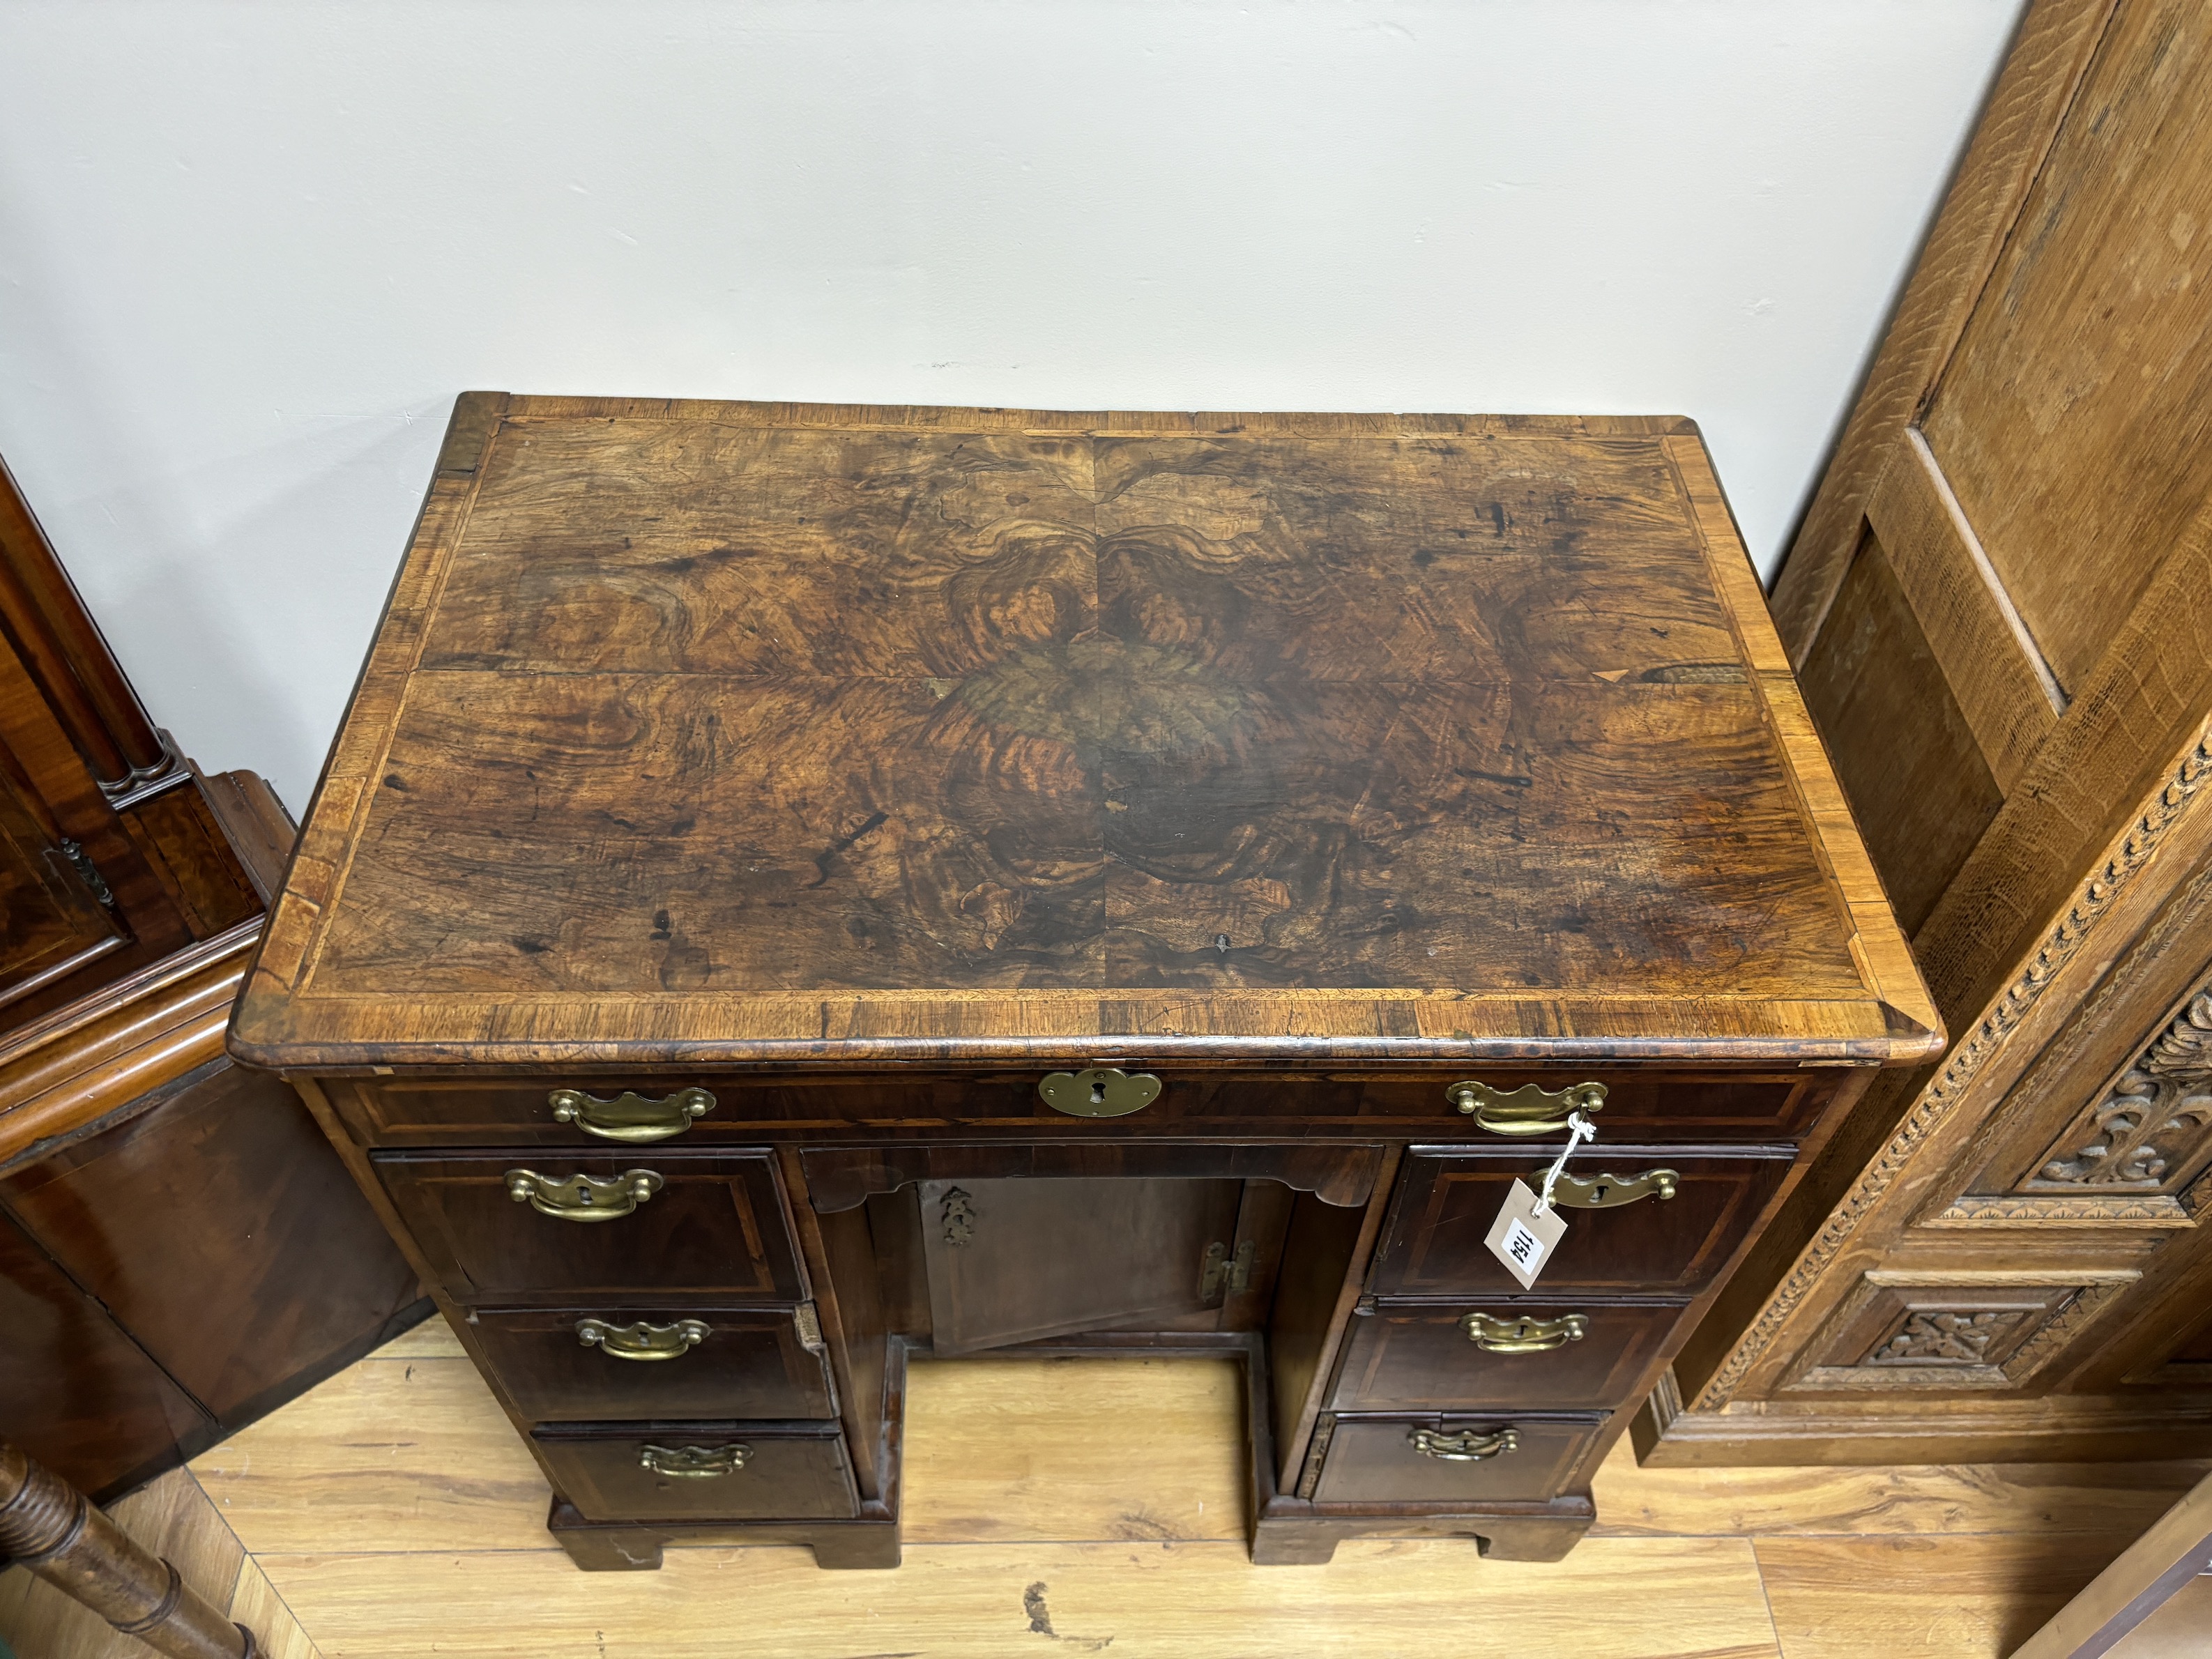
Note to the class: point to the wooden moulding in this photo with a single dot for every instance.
(1856, 1430)
(67, 1071)
(2121, 892)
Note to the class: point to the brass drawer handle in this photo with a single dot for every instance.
(695, 1462)
(1471, 1446)
(1609, 1191)
(641, 1341)
(1102, 1092)
(631, 1117)
(582, 1197)
(1527, 1110)
(1524, 1335)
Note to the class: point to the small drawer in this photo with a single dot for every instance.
(1446, 1200)
(712, 1224)
(1452, 1460)
(662, 1364)
(1536, 1356)
(704, 1108)
(700, 1471)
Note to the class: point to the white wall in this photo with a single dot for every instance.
(248, 251)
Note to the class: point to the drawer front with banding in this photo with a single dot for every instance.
(694, 1361)
(1561, 1355)
(1641, 1220)
(1450, 1459)
(531, 1226)
(1132, 1099)
(700, 1471)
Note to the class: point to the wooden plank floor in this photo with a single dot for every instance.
(1083, 1506)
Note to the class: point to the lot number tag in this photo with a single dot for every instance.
(1524, 1233)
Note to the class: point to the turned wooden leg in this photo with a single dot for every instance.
(51, 1528)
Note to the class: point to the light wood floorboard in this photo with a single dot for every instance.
(972, 1601)
(1967, 1597)
(1086, 1506)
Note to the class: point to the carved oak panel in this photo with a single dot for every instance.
(1986, 1330)
(2151, 1131)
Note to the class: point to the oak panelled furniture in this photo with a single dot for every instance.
(1997, 607)
(799, 886)
(179, 1249)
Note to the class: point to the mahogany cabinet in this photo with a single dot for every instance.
(1996, 608)
(180, 1251)
(800, 886)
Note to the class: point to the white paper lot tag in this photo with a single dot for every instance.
(1523, 1236)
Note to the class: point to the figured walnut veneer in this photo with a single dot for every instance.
(746, 732)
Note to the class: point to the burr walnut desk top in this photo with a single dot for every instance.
(763, 735)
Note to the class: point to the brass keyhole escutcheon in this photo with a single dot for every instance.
(1610, 1191)
(1102, 1092)
(583, 1197)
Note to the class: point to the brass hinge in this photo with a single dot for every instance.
(1316, 1454)
(88, 873)
(808, 1323)
(1221, 1271)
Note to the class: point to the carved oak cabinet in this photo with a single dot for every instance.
(800, 886)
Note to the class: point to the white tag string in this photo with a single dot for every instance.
(1579, 1129)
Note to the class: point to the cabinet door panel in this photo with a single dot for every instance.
(75, 1392)
(53, 924)
(1016, 1261)
(715, 1227)
(225, 1233)
(1447, 1201)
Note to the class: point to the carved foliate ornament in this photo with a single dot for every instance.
(1945, 1337)
(2154, 1118)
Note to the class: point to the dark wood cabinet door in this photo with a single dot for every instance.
(51, 923)
(1418, 1460)
(75, 1392)
(1015, 1260)
(1409, 1356)
(715, 1227)
(745, 1362)
(1447, 1201)
(221, 1182)
(736, 1471)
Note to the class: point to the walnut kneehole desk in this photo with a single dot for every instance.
(801, 885)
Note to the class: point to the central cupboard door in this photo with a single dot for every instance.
(1015, 1260)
